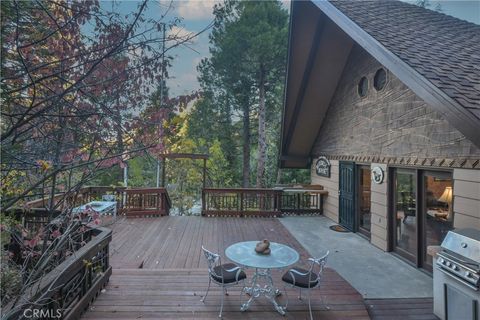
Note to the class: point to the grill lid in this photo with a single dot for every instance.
(464, 242)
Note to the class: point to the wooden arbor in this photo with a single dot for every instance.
(193, 156)
(153, 202)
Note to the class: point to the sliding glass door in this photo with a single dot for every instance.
(422, 212)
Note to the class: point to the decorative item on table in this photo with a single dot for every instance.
(263, 247)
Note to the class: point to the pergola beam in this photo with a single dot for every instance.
(193, 156)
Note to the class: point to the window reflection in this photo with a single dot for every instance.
(439, 209)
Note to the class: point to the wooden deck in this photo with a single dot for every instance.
(160, 273)
(401, 309)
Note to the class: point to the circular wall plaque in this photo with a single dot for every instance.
(377, 175)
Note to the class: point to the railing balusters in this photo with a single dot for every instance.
(260, 202)
(142, 202)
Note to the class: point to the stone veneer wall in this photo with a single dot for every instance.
(393, 122)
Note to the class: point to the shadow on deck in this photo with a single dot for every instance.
(159, 272)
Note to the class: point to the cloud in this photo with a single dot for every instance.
(179, 34)
(196, 9)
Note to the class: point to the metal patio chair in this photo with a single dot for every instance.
(306, 279)
(224, 275)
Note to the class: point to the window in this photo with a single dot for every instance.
(363, 87)
(380, 79)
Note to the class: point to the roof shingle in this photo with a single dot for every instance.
(443, 49)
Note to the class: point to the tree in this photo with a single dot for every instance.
(265, 26)
(185, 177)
(212, 122)
(248, 48)
(68, 95)
(427, 4)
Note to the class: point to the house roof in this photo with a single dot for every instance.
(435, 55)
(443, 49)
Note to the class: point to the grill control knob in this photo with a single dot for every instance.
(449, 264)
(464, 245)
(440, 260)
(468, 274)
(456, 268)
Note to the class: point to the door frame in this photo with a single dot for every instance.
(353, 213)
(410, 257)
(363, 232)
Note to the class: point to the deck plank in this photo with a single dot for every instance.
(401, 309)
(174, 277)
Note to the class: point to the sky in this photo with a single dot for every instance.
(197, 14)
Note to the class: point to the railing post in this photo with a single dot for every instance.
(241, 202)
(321, 203)
(204, 204)
(298, 201)
(279, 200)
(159, 202)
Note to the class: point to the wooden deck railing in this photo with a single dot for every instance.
(143, 202)
(247, 202)
(133, 202)
(149, 202)
(88, 194)
(33, 219)
(261, 202)
(72, 285)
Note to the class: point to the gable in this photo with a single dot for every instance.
(390, 123)
(305, 107)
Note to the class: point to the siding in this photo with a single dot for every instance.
(379, 210)
(395, 123)
(330, 206)
(466, 198)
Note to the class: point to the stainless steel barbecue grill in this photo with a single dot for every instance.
(460, 257)
(457, 276)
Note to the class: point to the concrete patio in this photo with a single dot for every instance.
(372, 272)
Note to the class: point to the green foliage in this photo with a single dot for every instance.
(185, 176)
(10, 277)
(248, 54)
(142, 171)
(220, 174)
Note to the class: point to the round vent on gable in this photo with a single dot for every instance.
(363, 87)
(380, 79)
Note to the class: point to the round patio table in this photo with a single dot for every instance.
(281, 256)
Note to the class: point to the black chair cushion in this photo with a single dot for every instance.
(228, 277)
(300, 280)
